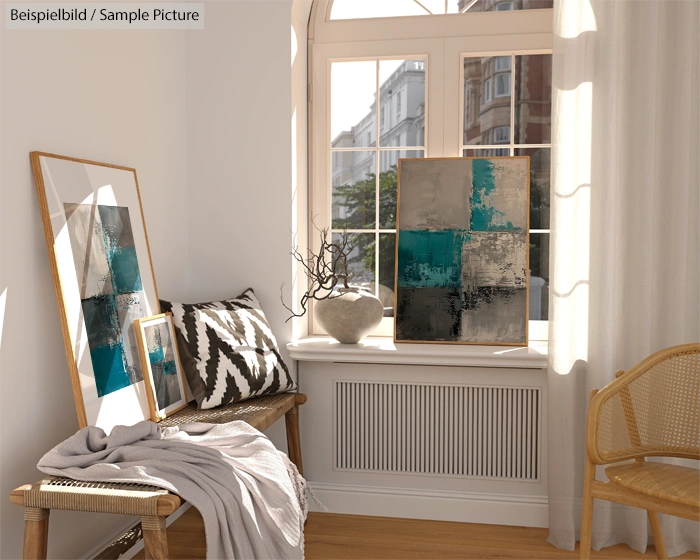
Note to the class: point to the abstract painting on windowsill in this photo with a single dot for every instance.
(462, 251)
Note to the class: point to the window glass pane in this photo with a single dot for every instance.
(402, 102)
(360, 261)
(539, 185)
(359, 9)
(353, 90)
(456, 6)
(501, 135)
(539, 276)
(502, 82)
(354, 189)
(533, 99)
(387, 258)
(492, 152)
(502, 63)
(388, 171)
(486, 99)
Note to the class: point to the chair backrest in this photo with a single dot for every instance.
(652, 409)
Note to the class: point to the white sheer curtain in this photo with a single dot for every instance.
(625, 272)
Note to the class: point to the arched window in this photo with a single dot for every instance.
(394, 79)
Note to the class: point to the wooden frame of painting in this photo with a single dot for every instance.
(462, 258)
(161, 366)
(103, 277)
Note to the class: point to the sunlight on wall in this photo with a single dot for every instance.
(292, 294)
(295, 45)
(3, 301)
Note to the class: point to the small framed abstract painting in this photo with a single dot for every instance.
(160, 363)
(462, 251)
(103, 278)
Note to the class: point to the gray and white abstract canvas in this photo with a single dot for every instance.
(162, 360)
(462, 250)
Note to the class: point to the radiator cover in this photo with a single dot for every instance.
(447, 430)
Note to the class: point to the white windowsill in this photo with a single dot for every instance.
(383, 350)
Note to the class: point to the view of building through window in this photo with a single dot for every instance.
(516, 121)
(364, 201)
(378, 115)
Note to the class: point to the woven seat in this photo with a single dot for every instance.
(651, 410)
(152, 504)
(680, 485)
(260, 412)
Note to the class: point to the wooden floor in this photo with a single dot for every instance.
(357, 537)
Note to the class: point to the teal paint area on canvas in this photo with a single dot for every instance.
(157, 356)
(124, 265)
(430, 259)
(484, 216)
(106, 344)
(121, 249)
(110, 371)
(169, 368)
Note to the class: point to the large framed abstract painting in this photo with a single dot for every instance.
(102, 272)
(160, 363)
(462, 251)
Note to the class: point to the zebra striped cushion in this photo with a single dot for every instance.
(228, 351)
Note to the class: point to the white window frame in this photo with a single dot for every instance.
(487, 91)
(441, 41)
(502, 63)
(501, 138)
(502, 78)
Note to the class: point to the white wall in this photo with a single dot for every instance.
(239, 153)
(240, 158)
(117, 97)
(205, 118)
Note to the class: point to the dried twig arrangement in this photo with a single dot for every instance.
(324, 270)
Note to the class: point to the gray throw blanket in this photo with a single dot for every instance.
(250, 495)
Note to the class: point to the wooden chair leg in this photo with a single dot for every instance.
(587, 513)
(658, 536)
(36, 533)
(291, 420)
(155, 538)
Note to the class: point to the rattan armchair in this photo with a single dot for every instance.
(650, 410)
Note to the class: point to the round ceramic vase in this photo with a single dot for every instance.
(350, 314)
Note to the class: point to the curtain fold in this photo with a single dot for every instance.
(625, 242)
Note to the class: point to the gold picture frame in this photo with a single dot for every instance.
(161, 366)
(103, 277)
(462, 259)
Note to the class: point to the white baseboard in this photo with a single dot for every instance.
(468, 507)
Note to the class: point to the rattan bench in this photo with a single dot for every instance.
(152, 504)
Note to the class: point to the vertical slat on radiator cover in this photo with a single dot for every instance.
(438, 429)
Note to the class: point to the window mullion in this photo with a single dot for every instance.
(512, 104)
(422, 6)
(376, 194)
